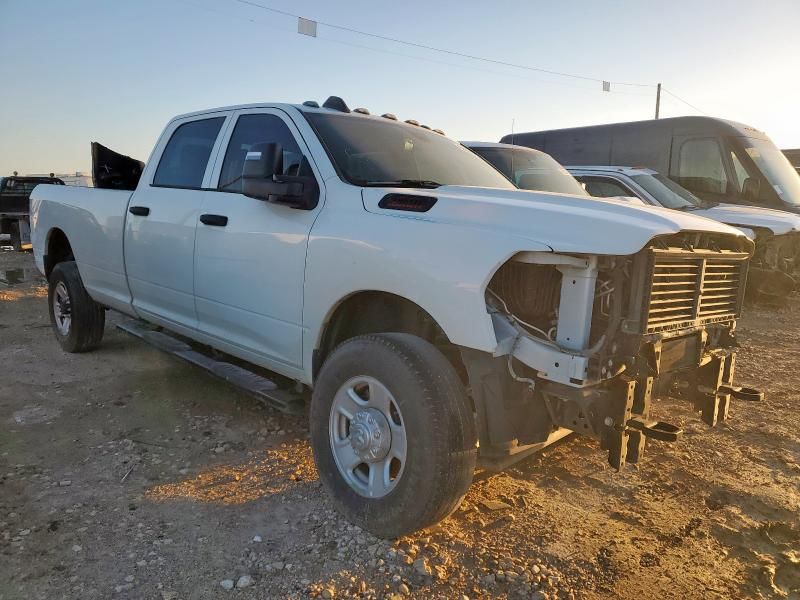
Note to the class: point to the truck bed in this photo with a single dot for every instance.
(93, 221)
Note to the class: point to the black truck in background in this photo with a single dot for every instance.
(15, 193)
(718, 160)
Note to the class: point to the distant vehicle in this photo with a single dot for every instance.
(776, 233)
(15, 192)
(717, 160)
(794, 158)
(528, 169)
(435, 314)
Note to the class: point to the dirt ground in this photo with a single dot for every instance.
(126, 473)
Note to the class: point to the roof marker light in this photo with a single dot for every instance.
(361, 111)
(389, 116)
(412, 122)
(336, 103)
(311, 103)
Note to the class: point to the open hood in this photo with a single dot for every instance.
(114, 171)
(576, 224)
(777, 221)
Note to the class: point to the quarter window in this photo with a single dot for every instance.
(701, 168)
(251, 131)
(183, 163)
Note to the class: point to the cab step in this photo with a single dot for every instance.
(266, 390)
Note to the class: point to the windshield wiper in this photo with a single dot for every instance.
(411, 183)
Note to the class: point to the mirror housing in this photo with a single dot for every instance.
(750, 189)
(263, 179)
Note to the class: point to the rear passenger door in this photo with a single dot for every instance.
(250, 254)
(162, 219)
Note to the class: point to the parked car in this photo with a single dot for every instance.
(717, 160)
(776, 233)
(440, 315)
(14, 210)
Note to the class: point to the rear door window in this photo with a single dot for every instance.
(185, 158)
(701, 168)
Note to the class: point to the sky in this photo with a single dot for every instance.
(76, 71)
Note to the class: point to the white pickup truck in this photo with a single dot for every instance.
(440, 316)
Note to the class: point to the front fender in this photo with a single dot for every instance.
(442, 268)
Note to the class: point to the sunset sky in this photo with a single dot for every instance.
(115, 72)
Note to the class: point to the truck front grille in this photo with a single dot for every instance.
(693, 288)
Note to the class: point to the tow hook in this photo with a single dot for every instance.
(657, 430)
(742, 393)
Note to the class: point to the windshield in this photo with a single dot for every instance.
(532, 170)
(775, 167)
(379, 152)
(667, 193)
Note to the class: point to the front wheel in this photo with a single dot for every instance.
(393, 435)
(77, 320)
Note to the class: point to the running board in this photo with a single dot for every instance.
(264, 389)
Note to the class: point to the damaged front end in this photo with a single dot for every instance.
(585, 342)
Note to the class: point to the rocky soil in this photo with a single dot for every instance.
(125, 473)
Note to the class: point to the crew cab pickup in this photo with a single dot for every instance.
(439, 315)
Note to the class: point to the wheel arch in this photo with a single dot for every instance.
(373, 311)
(57, 249)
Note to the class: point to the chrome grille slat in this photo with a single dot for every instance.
(696, 288)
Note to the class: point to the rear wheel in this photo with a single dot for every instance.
(77, 320)
(393, 435)
(16, 237)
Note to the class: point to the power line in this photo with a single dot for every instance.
(442, 50)
(684, 101)
(258, 22)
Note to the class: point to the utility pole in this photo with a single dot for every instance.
(658, 98)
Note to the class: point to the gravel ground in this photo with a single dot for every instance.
(126, 473)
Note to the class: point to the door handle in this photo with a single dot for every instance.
(140, 211)
(215, 220)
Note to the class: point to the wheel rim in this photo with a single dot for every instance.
(62, 309)
(368, 436)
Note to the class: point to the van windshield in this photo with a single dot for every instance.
(381, 152)
(775, 167)
(668, 193)
(531, 170)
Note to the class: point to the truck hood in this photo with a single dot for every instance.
(576, 224)
(777, 221)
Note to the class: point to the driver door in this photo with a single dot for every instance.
(250, 254)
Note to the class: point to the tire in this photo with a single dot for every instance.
(16, 238)
(82, 329)
(428, 402)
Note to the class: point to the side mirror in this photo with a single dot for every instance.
(750, 189)
(263, 179)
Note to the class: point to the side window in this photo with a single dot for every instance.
(739, 171)
(250, 131)
(184, 160)
(601, 187)
(701, 168)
